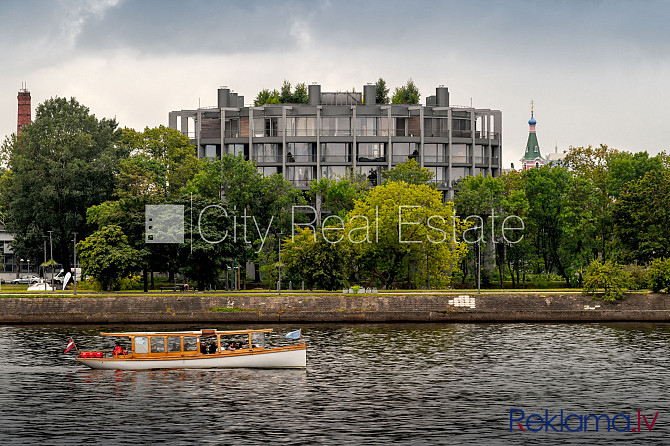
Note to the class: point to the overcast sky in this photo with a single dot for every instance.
(597, 70)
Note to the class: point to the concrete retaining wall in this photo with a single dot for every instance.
(250, 308)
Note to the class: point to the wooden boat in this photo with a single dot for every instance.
(196, 349)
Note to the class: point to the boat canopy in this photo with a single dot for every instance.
(187, 333)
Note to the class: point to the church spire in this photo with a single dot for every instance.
(532, 157)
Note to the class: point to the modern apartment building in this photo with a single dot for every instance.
(336, 131)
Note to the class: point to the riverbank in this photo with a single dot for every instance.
(266, 308)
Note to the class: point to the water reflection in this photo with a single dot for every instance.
(364, 384)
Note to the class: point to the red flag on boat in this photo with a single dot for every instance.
(70, 345)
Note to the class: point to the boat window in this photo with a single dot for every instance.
(173, 344)
(190, 343)
(258, 339)
(157, 344)
(141, 344)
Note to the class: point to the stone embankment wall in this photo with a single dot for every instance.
(252, 308)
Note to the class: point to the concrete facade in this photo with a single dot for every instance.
(337, 131)
(263, 308)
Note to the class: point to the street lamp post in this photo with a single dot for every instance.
(279, 264)
(51, 251)
(75, 263)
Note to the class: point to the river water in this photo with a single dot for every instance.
(375, 384)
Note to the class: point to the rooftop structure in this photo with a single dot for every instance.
(335, 131)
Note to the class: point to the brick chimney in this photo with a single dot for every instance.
(25, 113)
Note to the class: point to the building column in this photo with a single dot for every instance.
(251, 133)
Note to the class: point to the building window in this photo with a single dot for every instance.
(460, 153)
(461, 127)
(335, 126)
(335, 152)
(232, 129)
(300, 126)
(368, 126)
(267, 153)
(436, 127)
(236, 149)
(299, 176)
(457, 173)
(211, 151)
(372, 173)
(434, 153)
(334, 172)
(402, 151)
(300, 152)
(438, 176)
(480, 154)
(266, 171)
(267, 127)
(371, 152)
(400, 126)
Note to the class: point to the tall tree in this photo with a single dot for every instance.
(642, 218)
(300, 95)
(62, 163)
(382, 92)
(388, 249)
(407, 94)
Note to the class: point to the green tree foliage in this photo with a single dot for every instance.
(107, 256)
(337, 196)
(407, 94)
(382, 92)
(642, 218)
(609, 277)
(320, 264)
(61, 164)
(266, 96)
(300, 95)
(492, 201)
(164, 156)
(374, 231)
(283, 96)
(659, 275)
(410, 172)
(211, 242)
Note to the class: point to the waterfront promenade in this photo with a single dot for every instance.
(254, 307)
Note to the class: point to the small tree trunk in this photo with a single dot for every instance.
(144, 279)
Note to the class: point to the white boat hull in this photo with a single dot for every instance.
(266, 359)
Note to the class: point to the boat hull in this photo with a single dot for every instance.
(266, 359)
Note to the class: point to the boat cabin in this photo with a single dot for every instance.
(192, 343)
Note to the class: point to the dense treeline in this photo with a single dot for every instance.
(69, 172)
(599, 204)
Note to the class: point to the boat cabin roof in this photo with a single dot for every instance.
(203, 332)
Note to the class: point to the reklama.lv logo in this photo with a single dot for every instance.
(577, 422)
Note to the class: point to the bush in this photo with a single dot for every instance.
(659, 275)
(639, 278)
(608, 276)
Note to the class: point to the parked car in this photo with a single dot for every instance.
(26, 279)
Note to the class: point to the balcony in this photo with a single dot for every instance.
(461, 134)
(461, 159)
(266, 159)
(290, 158)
